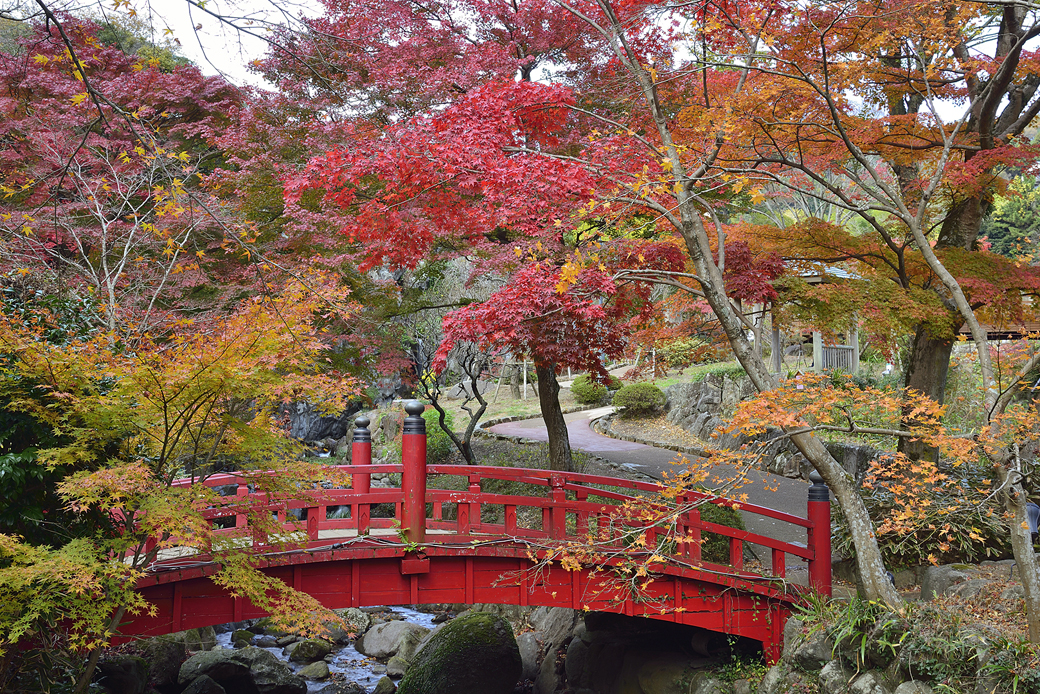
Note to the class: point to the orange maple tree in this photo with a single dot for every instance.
(132, 420)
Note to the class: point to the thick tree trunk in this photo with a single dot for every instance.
(929, 362)
(548, 398)
(927, 369)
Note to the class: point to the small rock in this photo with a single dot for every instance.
(530, 649)
(242, 635)
(285, 640)
(242, 643)
(968, 589)
(771, 681)
(385, 686)
(869, 683)
(438, 618)
(396, 667)
(792, 636)
(742, 687)
(703, 683)
(310, 650)
(342, 688)
(1013, 592)
(267, 642)
(391, 638)
(316, 671)
(378, 668)
(835, 678)
(813, 653)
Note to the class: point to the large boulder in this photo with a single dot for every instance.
(474, 654)
(204, 639)
(937, 579)
(243, 670)
(356, 623)
(123, 674)
(391, 638)
(164, 656)
(204, 685)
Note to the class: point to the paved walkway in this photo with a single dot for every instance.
(764, 489)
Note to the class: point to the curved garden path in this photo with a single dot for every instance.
(764, 489)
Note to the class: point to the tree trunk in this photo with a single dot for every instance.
(549, 400)
(1022, 546)
(929, 363)
(514, 381)
(926, 371)
(875, 584)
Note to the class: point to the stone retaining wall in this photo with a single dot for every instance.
(700, 408)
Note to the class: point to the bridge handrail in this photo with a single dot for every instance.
(572, 481)
(412, 497)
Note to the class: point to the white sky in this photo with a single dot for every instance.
(216, 47)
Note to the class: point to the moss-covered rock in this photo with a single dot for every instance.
(475, 654)
(251, 669)
(310, 650)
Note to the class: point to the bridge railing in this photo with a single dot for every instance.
(561, 507)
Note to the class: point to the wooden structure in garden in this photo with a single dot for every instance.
(440, 547)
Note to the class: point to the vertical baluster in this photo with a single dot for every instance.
(474, 508)
(559, 509)
(693, 534)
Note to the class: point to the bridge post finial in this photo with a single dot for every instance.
(819, 515)
(361, 453)
(413, 476)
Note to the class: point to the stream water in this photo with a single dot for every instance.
(347, 661)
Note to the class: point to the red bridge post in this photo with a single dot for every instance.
(413, 478)
(820, 534)
(361, 454)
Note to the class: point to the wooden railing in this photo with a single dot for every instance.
(561, 507)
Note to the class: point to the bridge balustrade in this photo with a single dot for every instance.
(561, 507)
(486, 542)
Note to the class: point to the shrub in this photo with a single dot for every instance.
(639, 399)
(589, 392)
(438, 444)
(939, 534)
(684, 351)
(715, 548)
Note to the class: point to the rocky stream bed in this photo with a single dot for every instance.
(432, 649)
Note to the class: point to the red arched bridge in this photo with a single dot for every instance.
(479, 546)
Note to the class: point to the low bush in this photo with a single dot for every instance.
(715, 548)
(684, 351)
(639, 400)
(439, 447)
(590, 392)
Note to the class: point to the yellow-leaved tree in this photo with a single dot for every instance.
(138, 428)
